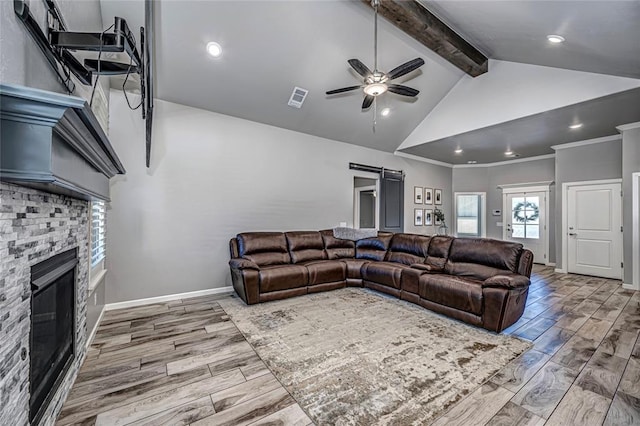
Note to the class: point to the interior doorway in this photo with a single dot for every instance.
(592, 228)
(365, 203)
(525, 214)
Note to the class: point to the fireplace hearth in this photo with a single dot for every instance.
(53, 284)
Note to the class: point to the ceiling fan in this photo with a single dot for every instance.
(377, 82)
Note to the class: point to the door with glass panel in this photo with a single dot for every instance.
(525, 221)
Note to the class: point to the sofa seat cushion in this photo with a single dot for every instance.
(354, 267)
(455, 292)
(283, 277)
(385, 273)
(326, 271)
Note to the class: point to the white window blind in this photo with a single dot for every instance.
(97, 232)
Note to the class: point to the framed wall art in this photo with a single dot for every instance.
(417, 194)
(428, 217)
(417, 217)
(428, 195)
(438, 197)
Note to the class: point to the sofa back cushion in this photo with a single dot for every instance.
(407, 249)
(305, 246)
(481, 258)
(438, 252)
(337, 248)
(374, 248)
(264, 248)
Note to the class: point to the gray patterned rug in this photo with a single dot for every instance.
(356, 357)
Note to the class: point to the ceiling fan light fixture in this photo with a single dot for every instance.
(554, 38)
(375, 89)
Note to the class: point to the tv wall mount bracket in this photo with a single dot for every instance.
(58, 44)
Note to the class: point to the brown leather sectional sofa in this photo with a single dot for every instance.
(480, 281)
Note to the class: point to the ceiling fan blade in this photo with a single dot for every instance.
(360, 67)
(406, 68)
(368, 100)
(402, 90)
(342, 90)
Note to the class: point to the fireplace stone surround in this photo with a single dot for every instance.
(34, 226)
(53, 147)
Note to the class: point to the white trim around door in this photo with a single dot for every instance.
(635, 217)
(565, 225)
(545, 187)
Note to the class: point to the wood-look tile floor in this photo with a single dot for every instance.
(176, 363)
(584, 367)
(184, 362)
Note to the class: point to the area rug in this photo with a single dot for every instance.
(357, 357)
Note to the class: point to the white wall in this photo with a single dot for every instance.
(510, 91)
(213, 176)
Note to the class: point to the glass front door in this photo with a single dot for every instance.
(525, 222)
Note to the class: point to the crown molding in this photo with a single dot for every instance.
(629, 126)
(587, 142)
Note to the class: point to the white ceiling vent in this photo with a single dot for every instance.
(297, 97)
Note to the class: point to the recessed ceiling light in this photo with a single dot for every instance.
(553, 38)
(385, 112)
(458, 151)
(471, 162)
(214, 49)
(575, 126)
(508, 152)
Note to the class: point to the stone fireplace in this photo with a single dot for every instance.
(35, 226)
(54, 159)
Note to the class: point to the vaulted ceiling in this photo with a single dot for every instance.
(269, 47)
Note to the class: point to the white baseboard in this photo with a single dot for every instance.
(560, 271)
(92, 334)
(168, 297)
(630, 287)
(550, 264)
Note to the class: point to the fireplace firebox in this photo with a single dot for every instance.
(53, 285)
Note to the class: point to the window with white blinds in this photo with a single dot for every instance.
(97, 232)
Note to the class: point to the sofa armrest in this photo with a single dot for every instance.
(426, 268)
(507, 282)
(239, 263)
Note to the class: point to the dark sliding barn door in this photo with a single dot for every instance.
(391, 201)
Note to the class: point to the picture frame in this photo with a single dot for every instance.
(436, 221)
(417, 195)
(417, 217)
(428, 217)
(428, 195)
(437, 198)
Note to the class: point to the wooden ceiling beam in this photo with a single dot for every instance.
(415, 20)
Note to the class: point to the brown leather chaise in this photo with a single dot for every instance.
(479, 281)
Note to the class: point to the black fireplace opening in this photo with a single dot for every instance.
(53, 288)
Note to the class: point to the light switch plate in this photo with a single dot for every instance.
(498, 223)
(343, 224)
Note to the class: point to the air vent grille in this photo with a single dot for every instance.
(297, 97)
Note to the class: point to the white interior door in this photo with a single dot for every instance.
(525, 221)
(594, 230)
